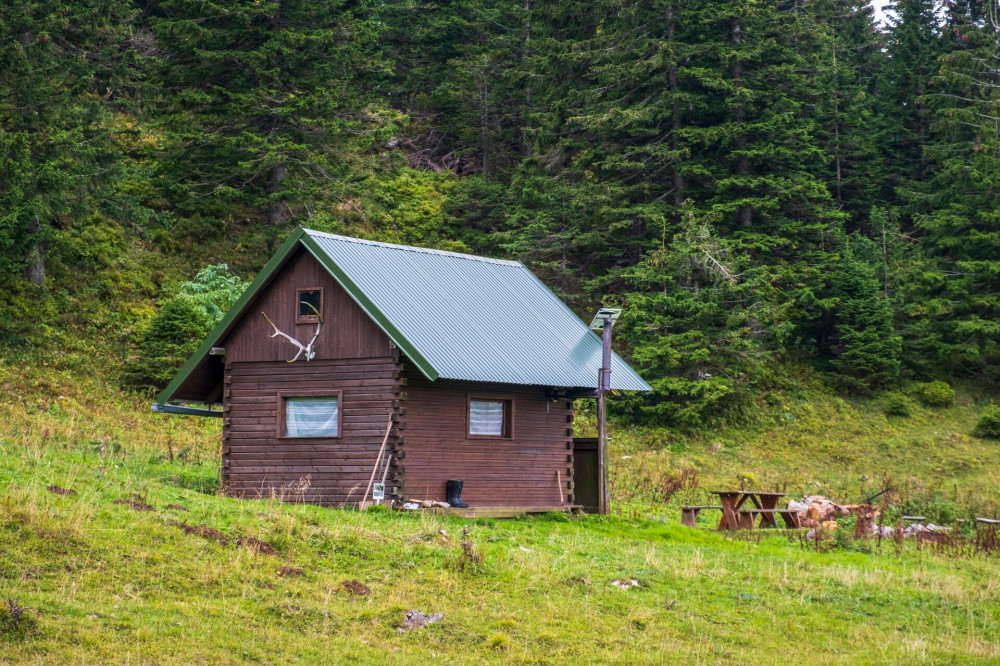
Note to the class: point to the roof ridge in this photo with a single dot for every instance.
(412, 248)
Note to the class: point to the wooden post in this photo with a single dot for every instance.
(603, 386)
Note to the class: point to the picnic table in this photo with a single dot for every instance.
(732, 502)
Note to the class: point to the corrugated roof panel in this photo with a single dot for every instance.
(474, 318)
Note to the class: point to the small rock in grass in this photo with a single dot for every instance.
(61, 491)
(414, 619)
(625, 583)
(356, 588)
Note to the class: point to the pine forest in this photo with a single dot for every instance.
(771, 189)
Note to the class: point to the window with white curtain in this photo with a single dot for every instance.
(312, 416)
(489, 417)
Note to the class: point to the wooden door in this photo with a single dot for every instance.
(585, 472)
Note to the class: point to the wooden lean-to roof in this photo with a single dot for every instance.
(454, 316)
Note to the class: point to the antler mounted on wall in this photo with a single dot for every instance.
(308, 350)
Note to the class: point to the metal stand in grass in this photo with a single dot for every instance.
(607, 317)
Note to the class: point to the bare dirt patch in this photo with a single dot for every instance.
(135, 504)
(205, 532)
(58, 490)
(257, 546)
(356, 588)
(290, 572)
(176, 507)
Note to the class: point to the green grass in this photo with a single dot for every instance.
(104, 583)
(816, 442)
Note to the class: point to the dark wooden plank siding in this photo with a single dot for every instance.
(428, 442)
(521, 471)
(335, 471)
(347, 332)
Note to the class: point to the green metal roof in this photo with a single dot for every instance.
(455, 316)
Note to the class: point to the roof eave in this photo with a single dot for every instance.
(232, 315)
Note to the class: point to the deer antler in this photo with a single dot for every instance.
(310, 352)
(303, 349)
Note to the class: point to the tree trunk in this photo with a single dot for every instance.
(675, 110)
(836, 125)
(484, 116)
(277, 209)
(745, 214)
(526, 147)
(34, 271)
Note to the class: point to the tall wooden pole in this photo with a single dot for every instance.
(603, 386)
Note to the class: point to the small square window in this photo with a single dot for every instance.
(308, 305)
(490, 417)
(309, 415)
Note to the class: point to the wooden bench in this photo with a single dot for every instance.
(689, 514)
(748, 516)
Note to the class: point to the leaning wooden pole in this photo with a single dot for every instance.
(364, 504)
(603, 386)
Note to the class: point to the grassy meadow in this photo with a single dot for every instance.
(86, 580)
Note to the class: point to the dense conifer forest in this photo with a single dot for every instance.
(764, 186)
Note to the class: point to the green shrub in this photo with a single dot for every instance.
(988, 426)
(899, 405)
(174, 333)
(498, 642)
(180, 325)
(936, 394)
(214, 289)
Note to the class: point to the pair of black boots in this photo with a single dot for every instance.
(455, 495)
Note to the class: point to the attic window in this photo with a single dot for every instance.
(308, 303)
(491, 416)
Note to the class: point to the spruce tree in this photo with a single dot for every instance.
(847, 60)
(64, 68)
(262, 100)
(912, 46)
(864, 348)
(958, 209)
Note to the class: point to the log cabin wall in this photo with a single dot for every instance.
(517, 472)
(256, 462)
(353, 357)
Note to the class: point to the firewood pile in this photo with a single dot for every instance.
(818, 511)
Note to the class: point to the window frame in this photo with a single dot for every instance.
(508, 414)
(307, 319)
(284, 395)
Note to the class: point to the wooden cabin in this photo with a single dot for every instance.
(472, 360)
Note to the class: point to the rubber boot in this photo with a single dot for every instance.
(455, 495)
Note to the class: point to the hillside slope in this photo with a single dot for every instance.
(114, 583)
